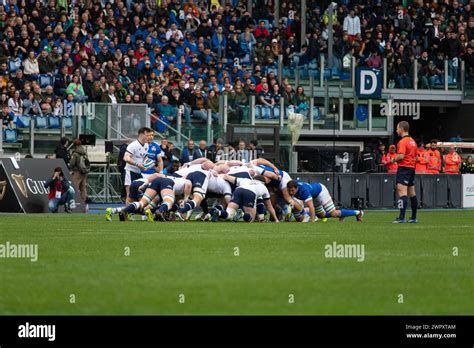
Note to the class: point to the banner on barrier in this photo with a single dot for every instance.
(468, 191)
(22, 185)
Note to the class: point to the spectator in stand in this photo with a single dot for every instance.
(422, 159)
(242, 152)
(75, 88)
(351, 25)
(190, 153)
(392, 153)
(434, 159)
(7, 117)
(452, 161)
(467, 167)
(202, 149)
(256, 151)
(31, 67)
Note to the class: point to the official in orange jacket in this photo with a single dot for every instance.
(452, 161)
(434, 161)
(392, 153)
(422, 159)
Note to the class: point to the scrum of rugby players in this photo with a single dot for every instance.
(228, 191)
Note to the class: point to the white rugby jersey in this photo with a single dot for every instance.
(218, 185)
(179, 184)
(239, 169)
(184, 172)
(255, 186)
(139, 152)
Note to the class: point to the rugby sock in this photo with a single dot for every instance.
(247, 217)
(117, 210)
(347, 212)
(152, 207)
(261, 208)
(163, 208)
(132, 207)
(414, 206)
(204, 207)
(223, 214)
(175, 207)
(219, 207)
(402, 204)
(190, 205)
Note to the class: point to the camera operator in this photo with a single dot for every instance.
(60, 192)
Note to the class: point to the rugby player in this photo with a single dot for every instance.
(316, 192)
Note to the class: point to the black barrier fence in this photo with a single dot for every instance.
(22, 185)
(379, 190)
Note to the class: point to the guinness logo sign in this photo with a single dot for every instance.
(3, 189)
(20, 182)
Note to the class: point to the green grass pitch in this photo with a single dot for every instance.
(85, 256)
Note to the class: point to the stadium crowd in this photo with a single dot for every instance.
(172, 53)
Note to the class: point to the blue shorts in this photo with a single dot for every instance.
(160, 184)
(134, 192)
(197, 179)
(244, 198)
(406, 176)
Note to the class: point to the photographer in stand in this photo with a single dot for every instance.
(60, 192)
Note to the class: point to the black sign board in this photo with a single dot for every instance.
(22, 185)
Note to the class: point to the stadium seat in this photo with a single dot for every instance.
(67, 122)
(54, 122)
(10, 135)
(45, 80)
(22, 121)
(41, 122)
(14, 64)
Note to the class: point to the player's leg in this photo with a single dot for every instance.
(227, 214)
(324, 199)
(200, 182)
(133, 195)
(168, 198)
(260, 210)
(413, 199)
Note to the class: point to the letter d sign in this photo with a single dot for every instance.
(368, 83)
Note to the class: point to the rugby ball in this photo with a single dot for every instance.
(149, 164)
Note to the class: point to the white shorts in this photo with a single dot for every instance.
(131, 176)
(284, 180)
(324, 200)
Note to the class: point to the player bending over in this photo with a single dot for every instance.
(134, 195)
(308, 193)
(245, 198)
(162, 186)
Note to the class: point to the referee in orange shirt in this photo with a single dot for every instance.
(406, 159)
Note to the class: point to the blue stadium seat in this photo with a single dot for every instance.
(41, 122)
(45, 80)
(67, 122)
(22, 121)
(14, 64)
(10, 135)
(54, 122)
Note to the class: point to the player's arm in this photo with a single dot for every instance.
(160, 166)
(271, 175)
(312, 212)
(269, 206)
(286, 196)
(127, 157)
(198, 161)
(263, 161)
(229, 178)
